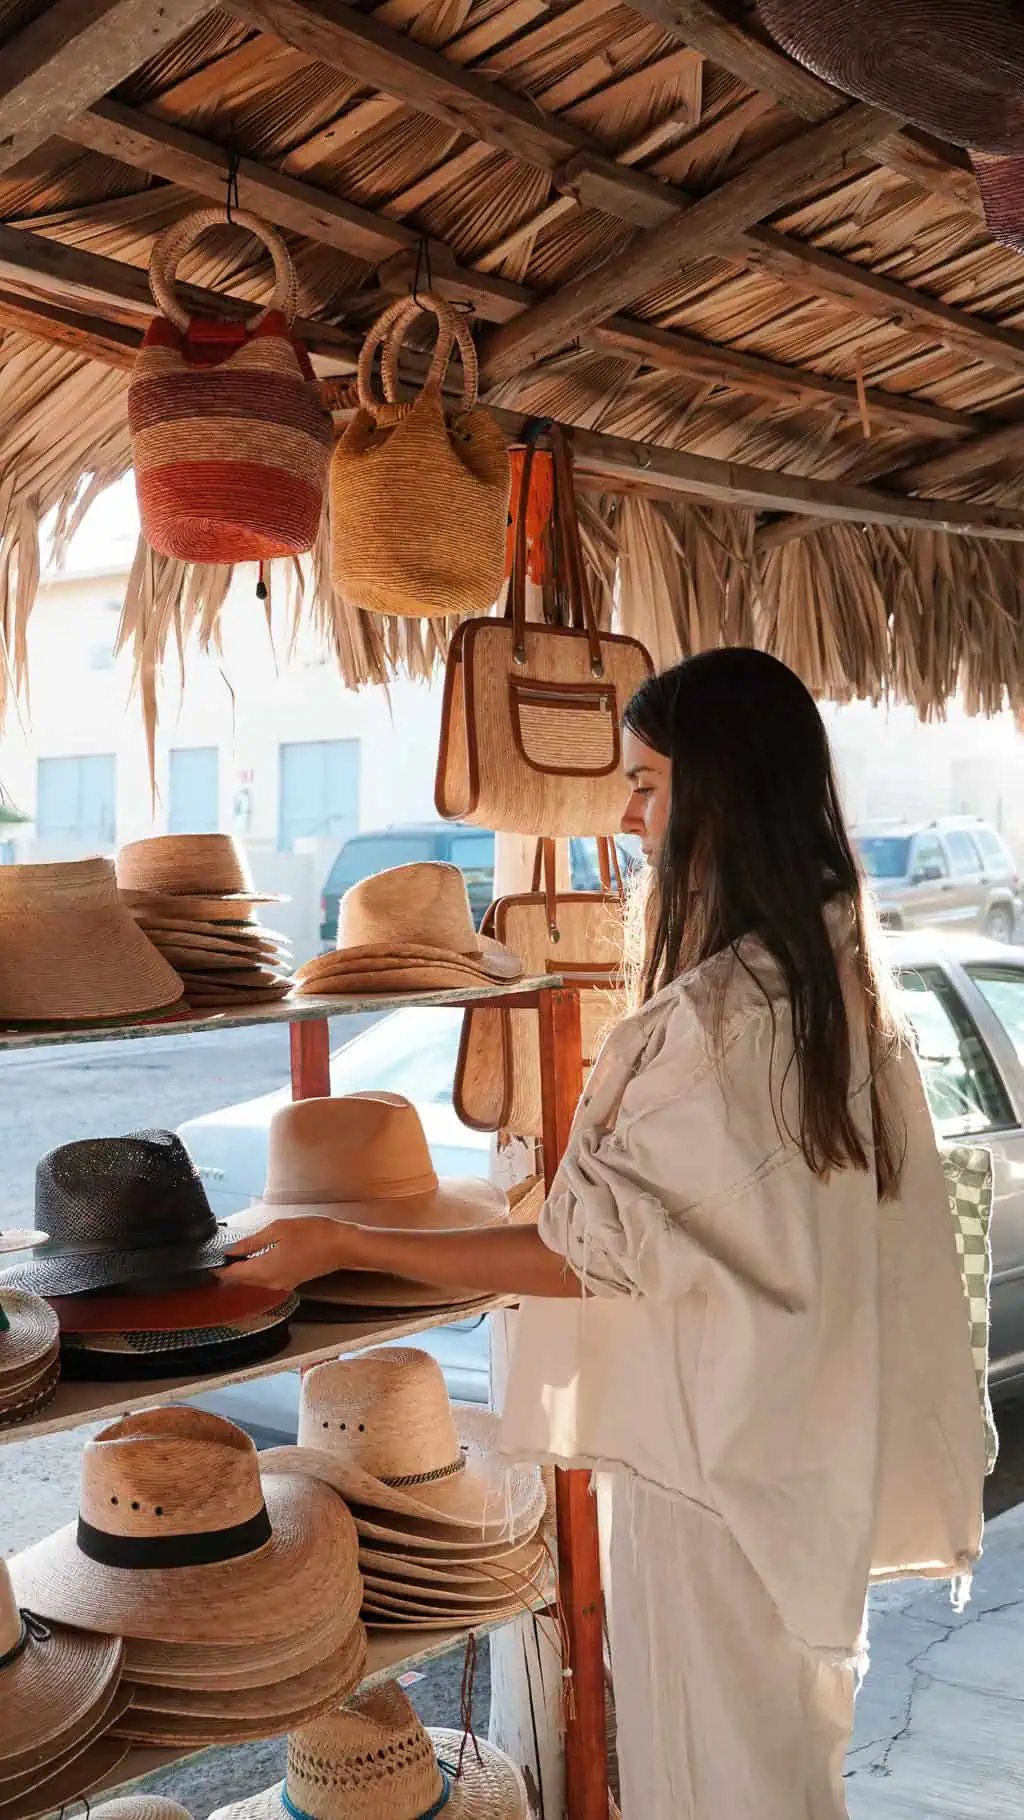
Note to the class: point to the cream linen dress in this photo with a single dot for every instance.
(771, 1374)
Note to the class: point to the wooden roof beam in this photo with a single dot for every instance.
(111, 343)
(71, 54)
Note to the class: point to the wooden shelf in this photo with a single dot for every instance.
(311, 1341)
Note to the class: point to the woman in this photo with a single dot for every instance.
(770, 1364)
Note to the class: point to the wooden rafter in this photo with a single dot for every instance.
(111, 343)
(70, 55)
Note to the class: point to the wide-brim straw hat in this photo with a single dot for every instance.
(67, 1779)
(141, 1807)
(363, 1159)
(70, 952)
(29, 1333)
(373, 1759)
(380, 1430)
(112, 1358)
(235, 1667)
(189, 865)
(212, 1301)
(197, 911)
(510, 1566)
(409, 921)
(52, 1681)
(179, 1538)
(318, 1684)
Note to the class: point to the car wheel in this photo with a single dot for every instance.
(999, 923)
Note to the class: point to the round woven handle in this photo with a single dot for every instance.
(389, 332)
(172, 246)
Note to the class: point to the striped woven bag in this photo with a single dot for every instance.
(230, 442)
(419, 496)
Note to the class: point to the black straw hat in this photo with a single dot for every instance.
(117, 1211)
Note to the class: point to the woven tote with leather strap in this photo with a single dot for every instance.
(230, 442)
(577, 934)
(530, 717)
(419, 496)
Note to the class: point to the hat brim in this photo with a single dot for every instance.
(137, 895)
(273, 1593)
(32, 1399)
(31, 1334)
(55, 1685)
(76, 1273)
(73, 1777)
(456, 1202)
(490, 1786)
(384, 1594)
(487, 1497)
(194, 906)
(487, 956)
(21, 1238)
(216, 1303)
(360, 1289)
(89, 1364)
(520, 1563)
(320, 1684)
(235, 1667)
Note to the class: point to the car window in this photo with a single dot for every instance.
(411, 1052)
(1003, 989)
(360, 858)
(474, 855)
(965, 1094)
(884, 855)
(994, 854)
(963, 854)
(929, 852)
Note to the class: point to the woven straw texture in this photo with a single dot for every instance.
(28, 1341)
(497, 1079)
(200, 1474)
(372, 1759)
(230, 442)
(187, 866)
(69, 1779)
(141, 1807)
(1001, 182)
(231, 1668)
(410, 927)
(419, 500)
(70, 951)
(58, 1683)
(953, 67)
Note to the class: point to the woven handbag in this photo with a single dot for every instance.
(530, 716)
(968, 1172)
(230, 442)
(419, 496)
(578, 934)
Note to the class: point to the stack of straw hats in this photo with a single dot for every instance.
(70, 952)
(127, 1261)
(408, 930)
(140, 1807)
(29, 1357)
(372, 1759)
(60, 1691)
(193, 896)
(448, 1534)
(237, 1596)
(364, 1159)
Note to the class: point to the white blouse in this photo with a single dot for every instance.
(785, 1350)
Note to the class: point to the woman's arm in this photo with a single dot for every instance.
(494, 1260)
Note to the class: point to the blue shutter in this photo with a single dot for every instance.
(319, 790)
(194, 791)
(76, 799)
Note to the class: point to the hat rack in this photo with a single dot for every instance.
(389, 1654)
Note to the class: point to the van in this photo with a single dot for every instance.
(955, 872)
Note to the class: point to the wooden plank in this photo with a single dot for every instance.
(108, 342)
(708, 226)
(70, 55)
(310, 1046)
(184, 158)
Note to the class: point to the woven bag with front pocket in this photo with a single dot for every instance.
(575, 934)
(419, 495)
(531, 712)
(230, 442)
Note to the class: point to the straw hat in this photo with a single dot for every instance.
(70, 952)
(381, 1430)
(362, 1158)
(373, 1759)
(179, 1539)
(205, 1301)
(52, 1682)
(67, 1779)
(409, 928)
(196, 910)
(118, 1210)
(212, 1666)
(133, 1355)
(29, 1357)
(141, 1807)
(189, 865)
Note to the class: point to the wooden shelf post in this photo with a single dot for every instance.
(311, 1060)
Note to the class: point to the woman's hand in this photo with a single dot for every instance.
(289, 1252)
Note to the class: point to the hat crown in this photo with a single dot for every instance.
(140, 1192)
(360, 1147)
(10, 1616)
(425, 904)
(194, 864)
(56, 880)
(170, 1472)
(370, 1759)
(386, 1412)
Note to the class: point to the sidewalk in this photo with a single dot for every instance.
(939, 1733)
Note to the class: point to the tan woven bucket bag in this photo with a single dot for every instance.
(419, 496)
(578, 934)
(530, 717)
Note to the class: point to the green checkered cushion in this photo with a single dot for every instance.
(968, 1171)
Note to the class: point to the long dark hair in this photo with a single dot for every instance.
(756, 844)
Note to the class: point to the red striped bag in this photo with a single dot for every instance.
(230, 442)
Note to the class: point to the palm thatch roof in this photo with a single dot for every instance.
(793, 354)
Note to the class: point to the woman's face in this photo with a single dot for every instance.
(650, 780)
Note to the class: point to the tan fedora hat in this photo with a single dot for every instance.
(70, 952)
(189, 865)
(373, 1759)
(52, 1681)
(179, 1538)
(362, 1158)
(411, 919)
(381, 1430)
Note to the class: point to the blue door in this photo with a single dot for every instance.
(194, 806)
(76, 799)
(319, 790)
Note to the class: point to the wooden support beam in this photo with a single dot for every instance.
(72, 53)
(183, 158)
(111, 343)
(707, 227)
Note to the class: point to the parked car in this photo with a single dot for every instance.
(963, 996)
(457, 843)
(956, 871)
